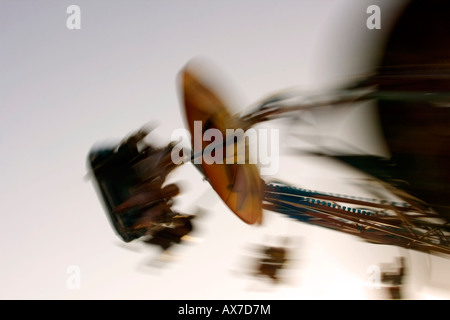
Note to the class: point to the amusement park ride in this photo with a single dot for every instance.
(411, 88)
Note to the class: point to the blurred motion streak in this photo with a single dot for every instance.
(274, 259)
(412, 91)
(394, 280)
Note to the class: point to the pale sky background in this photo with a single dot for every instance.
(62, 91)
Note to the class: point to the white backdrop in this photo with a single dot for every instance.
(63, 90)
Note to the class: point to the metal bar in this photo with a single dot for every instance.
(415, 239)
